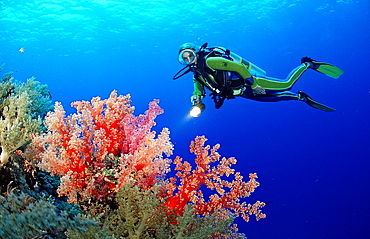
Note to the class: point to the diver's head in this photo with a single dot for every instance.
(187, 53)
(188, 45)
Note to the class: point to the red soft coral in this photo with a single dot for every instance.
(228, 193)
(102, 146)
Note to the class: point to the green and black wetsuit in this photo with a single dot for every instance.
(242, 81)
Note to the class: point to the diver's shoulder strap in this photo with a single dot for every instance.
(205, 51)
(219, 52)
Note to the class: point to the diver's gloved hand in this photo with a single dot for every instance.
(195, 99)
(259, 90)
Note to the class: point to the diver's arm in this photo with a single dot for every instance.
(198, 88)
(197, 96)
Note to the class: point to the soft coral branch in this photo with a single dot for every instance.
(102, 145)
(228, 194)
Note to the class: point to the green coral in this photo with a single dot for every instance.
(16, 125)
(6, 88)
(22, 216)
(22, 106)
(141, 214)
(38, 96)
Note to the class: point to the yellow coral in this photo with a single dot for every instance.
(21, 108)
(6, 88)
(16, 125)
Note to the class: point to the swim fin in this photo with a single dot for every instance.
(306, 98)
(324, 67)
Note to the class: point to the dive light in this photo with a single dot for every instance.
(197, 109)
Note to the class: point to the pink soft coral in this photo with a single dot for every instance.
(102, 146)
(228, 194)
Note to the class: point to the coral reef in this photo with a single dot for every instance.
(228, 194)
(101, 147)
(102, 173)
(31, 209)
(112, 164)
(22, 107)
(22, 216)
(141, 214)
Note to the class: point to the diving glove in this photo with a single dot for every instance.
(195, 99)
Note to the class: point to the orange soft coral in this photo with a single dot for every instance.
(228, 194)
(102, 146)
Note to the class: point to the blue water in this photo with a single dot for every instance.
(313, 166)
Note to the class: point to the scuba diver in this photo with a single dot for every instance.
(227, 76)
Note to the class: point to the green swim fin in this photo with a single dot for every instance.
(324, 68)
(304, 97)
(327, 69)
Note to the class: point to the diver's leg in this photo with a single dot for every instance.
(273, 97)
(275, 84)
(288, 95)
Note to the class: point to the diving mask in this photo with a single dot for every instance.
(187, 57)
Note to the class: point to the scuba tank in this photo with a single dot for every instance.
(250, 66)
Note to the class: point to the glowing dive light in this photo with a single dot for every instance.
(197, 109)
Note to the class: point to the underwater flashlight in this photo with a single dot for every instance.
(197, 109)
